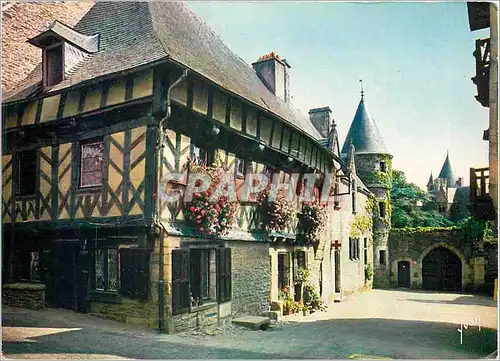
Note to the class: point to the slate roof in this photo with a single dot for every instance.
(90, 44)
(447, 173)
(138, 33)
(364, 134)
(431, 180)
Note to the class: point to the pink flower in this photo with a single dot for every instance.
(203, 212)
(202, 229)
(191, 209)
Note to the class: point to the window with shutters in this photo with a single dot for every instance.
(200, 275)
(203, 275)
(53, 65)
(26, 173)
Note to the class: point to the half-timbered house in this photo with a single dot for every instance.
(119, 101)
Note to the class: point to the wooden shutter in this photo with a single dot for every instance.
(134, 273)
(224, 274)
(181, 298)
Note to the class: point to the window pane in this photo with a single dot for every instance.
(35, 267)
(54, 65)
(91, 164)
(27, 172)
(295, 144)
(265, 129)
(112, 270)
(99, 269)
(278, 127)
(286, 139)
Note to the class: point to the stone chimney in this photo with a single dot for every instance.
(274, 73)
(320, 118)
(459, 182)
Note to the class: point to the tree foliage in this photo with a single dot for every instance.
(411, 206)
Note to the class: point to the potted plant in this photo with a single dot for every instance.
(311, 298)
(306, 310)
(301, 277)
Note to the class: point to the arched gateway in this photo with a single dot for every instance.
(442, 270)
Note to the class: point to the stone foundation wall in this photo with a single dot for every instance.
(204, 319)
(251, 277)
(24, 295)
(135, 312)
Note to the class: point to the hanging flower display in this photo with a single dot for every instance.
(276, 214)
(312, 221)
(210, 218)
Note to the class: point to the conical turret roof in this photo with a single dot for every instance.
(364, 133)
(447, 172)
(431, 180)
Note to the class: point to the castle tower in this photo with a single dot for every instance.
(374, 166)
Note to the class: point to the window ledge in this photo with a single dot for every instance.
(203, 307)
(26, 197)
(104, 296)
(89, 190)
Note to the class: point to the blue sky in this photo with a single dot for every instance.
(415, 60)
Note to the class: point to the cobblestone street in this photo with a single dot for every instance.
(392, 324)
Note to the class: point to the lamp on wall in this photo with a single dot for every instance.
(215, 130)
(174, 202)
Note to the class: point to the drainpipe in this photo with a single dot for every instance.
(160, 144)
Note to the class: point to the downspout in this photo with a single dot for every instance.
(160, 144)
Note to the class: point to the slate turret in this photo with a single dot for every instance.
(374, 166)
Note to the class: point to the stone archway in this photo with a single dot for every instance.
(442, 269)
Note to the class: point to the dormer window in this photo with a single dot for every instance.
(58, 41)
(53, 64)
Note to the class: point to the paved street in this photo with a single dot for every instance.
(391, 324)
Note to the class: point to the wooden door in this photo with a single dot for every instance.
(403, 274)
(442, 271)
(66, 274)
(337, 270)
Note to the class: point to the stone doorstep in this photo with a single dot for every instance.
(253, 322)
(273, 315)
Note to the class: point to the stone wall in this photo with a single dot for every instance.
(204, 318)
(22, 21)
(413, 245)
(135, 312)
(251, 277)
(352, 274)
(490, 266)
(24, 295)
(366, 165)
